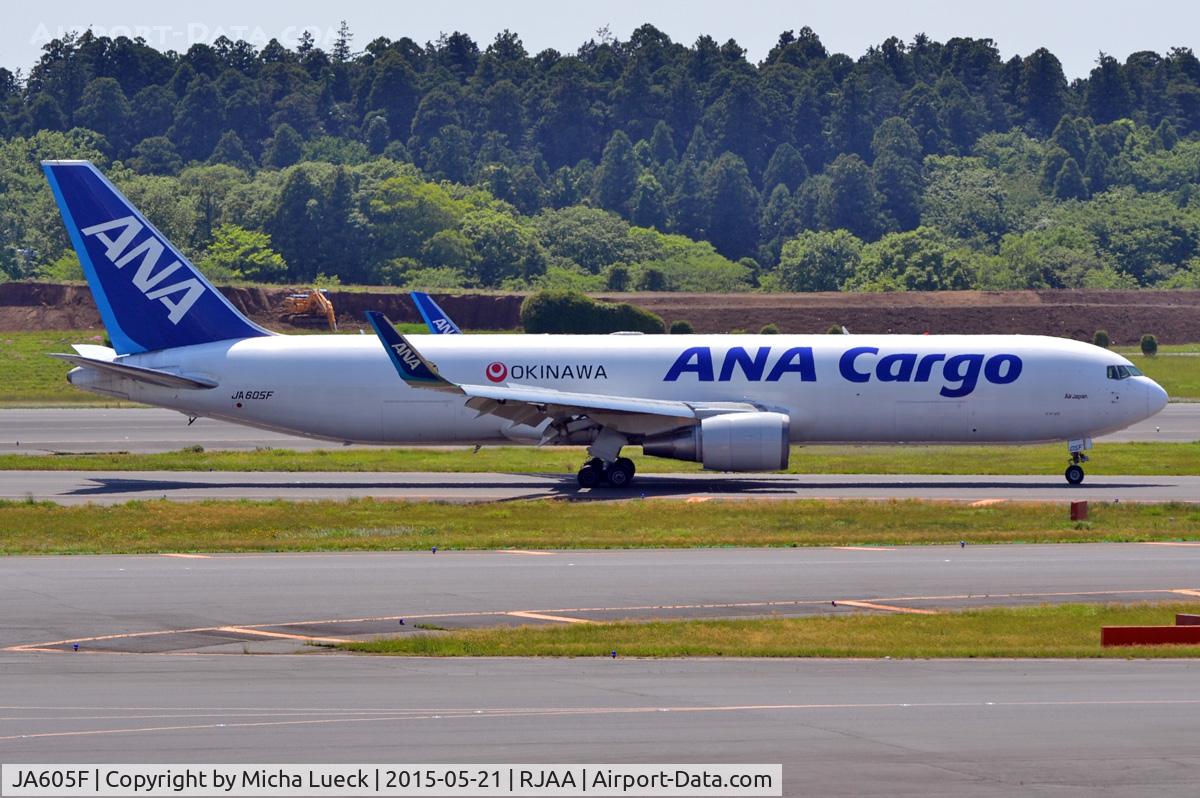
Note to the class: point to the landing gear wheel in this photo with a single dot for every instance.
(620, 473)
(588, 476)
(1074, 474)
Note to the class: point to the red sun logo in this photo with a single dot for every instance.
(497, 372)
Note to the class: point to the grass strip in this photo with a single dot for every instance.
(1135, 459)
(367, 524)
(1065, 631)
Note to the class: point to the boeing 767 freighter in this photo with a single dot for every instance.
(730, 402)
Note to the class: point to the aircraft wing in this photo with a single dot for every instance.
(533, 405)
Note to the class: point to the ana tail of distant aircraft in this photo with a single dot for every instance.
(149, 295)
(435, 318)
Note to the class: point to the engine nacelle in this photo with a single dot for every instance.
(729, 442)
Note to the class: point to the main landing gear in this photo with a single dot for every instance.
(596, 472)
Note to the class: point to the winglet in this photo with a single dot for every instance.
(435, 318)
(412, 367)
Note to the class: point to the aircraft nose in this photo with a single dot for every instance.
(1156, 397)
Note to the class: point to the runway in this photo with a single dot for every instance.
(41, 431)
(896, 728)
(162, 674)
(114, 487)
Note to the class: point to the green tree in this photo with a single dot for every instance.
(1069, 183)
(652, 279)
(786, 167)
(284, 149)
(156, 156)
(295, 225)
(230, 150)
(731, 207)
(199, 119)
(394, 92)
(1108, 95)
(506, 249)
(897, 171)
(378, 134)
(1043, 90)
(918, 260)
(662, 143)
(818, 261)
(616, 176)
(242, 254)
(851, 201)
(649, 207)
(687, 202)
(106, 110)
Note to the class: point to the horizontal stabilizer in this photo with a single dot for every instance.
(139, 373)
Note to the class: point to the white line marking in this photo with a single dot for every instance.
(542, 617)
(868, 605)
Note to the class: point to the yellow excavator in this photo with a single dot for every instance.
(311, 309)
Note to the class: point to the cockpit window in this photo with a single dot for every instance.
(1123, 372)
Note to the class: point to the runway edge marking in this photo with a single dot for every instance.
(869, 605)
(543, 617)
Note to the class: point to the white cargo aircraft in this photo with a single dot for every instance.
(733, 403)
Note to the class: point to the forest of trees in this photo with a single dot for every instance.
(638, 164)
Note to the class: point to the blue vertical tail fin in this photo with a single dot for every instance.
(149, 295)
(435, 318)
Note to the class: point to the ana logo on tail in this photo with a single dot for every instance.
(121, 251)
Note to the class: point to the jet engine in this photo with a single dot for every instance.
(729, 442)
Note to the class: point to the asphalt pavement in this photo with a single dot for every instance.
(113, 487)
(840, 727)
(204, 659)
(45, 430)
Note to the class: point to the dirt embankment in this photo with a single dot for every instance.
(1174, 316)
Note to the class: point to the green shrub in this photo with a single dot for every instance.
(652, 279)
(769, 329)
(682, 327)
(1149, 345)
(836, 329)
(619, 278)
(572, 312)
(1100, 338)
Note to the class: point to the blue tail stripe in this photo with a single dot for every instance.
(149, 295)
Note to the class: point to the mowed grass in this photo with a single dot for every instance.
(1066, 630)
(30, 378)
(1175, 368)
(1167, 459)
(367, 524)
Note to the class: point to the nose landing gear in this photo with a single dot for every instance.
(1074, 472)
